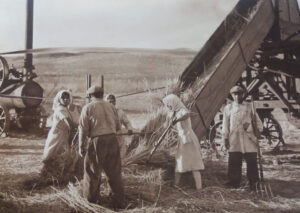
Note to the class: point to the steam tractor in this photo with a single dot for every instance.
(20, 95)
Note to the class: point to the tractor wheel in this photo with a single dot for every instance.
(4, 120)
(272, 132)
(3, 71)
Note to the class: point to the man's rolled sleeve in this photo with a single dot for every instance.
(117, 120)
(258, 124)
(84, 121)
(225, 124)
(124, 120)
(83, 126)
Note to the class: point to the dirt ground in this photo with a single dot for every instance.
(20, 159)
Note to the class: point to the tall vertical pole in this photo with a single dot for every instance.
(29, 37)
(88, 81)
(102, 81)
(88, 85)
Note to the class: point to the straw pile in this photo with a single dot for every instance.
(157, 120)
(72, 197)
(142, 189)
(68, 167)
(160, 158)
(149, 189)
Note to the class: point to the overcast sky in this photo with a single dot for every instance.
(113, 23)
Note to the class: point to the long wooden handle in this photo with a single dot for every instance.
(254, 125)
(135, 133)
(157, 143)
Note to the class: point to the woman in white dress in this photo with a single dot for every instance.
(57, 143)
(188, 156)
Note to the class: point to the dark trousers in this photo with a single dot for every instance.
(103, 153)
(235, 167)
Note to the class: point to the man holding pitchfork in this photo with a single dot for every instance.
(239, 137)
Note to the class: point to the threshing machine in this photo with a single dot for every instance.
(257, 46)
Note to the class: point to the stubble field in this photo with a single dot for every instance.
(130, 71)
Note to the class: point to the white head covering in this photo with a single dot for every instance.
(174, 102)
(57, 101)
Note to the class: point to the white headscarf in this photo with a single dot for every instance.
(174, 102)
(57, 101)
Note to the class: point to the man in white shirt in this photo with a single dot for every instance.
(124, 121)
(240, 138)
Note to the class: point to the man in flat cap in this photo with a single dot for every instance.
(99, 123)
(240, 138)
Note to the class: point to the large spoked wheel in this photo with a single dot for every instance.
(215, 137)
(3, 71)
(272, 132)
(4, 120)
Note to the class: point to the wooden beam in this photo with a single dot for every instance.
(291, 68)
(289, 18)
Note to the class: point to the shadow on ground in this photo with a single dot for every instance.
(16, 132)
(7, 146)
(287, 189)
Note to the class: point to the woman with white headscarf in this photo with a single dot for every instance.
(188, 156)
(57, 143)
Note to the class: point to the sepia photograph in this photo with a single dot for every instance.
(149, 106)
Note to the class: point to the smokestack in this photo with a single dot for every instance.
(29, 36)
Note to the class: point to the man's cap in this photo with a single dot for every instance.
(237, 89)
(110, 97)
(94, 89)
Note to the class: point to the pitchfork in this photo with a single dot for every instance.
(261, 187)
(157, 143)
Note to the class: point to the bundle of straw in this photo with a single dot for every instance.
(157, 120)
(160, 158)
(72, 197)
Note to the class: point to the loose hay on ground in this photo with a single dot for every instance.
(149, 189)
